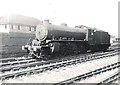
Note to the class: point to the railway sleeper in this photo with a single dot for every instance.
(15, 69)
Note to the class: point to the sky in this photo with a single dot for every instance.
(102, 14)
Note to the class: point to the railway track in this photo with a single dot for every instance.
(21, 63)
(14, 65)
(111, 79)
(92, 73)
(13, 59)
(11, 64)
(38, 68)
(27, 63)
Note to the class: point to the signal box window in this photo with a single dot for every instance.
(11, 26)
(3, 28)
(34, 29)
(29, 28)
(16, 27)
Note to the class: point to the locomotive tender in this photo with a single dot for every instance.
(53, 39)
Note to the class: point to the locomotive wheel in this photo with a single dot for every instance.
(28, 51)
(45, 53)
(55, 47)
(32, 55)
(36, 55)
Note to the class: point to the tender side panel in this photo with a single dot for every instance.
(102, 37)
(98, 40)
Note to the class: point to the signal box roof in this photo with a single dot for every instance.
(19, 20)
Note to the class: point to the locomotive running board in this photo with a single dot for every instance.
(69, 41)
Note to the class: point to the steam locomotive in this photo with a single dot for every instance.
(61, 39)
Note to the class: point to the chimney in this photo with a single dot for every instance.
(46, 21)
(64, 24)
